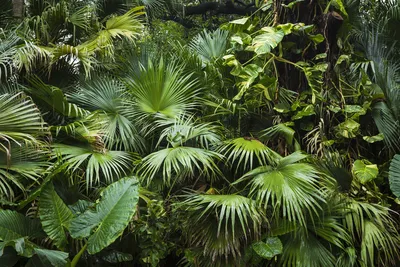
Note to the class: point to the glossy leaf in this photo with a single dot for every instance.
(365, 171)
(268, 249)
(54, 215)
(267, 41)
(394, 175)
(110, 217)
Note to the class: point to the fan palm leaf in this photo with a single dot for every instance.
(161, 88)
(247, 153)
(376, 231)
(291, 188)
(98, 166)
(227, 221)
(24, 167)
(105, 96)
(210, 46)
(20, 121)
(179, 163)
(183, 129)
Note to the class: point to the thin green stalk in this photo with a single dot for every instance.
(77, 257)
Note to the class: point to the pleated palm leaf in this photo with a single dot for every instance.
(187, 153)
(291, 188)
(210, 46)
(374, 231)
(247, 153)
(226, 223)
(17, 54)
(176, 164)
(162, 88)
(184, 129)
(20, 122)
(114, 117)
(22, 169)
(98, 167)
(318, 242)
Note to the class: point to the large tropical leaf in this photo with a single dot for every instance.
(47, 257)
(110, 217)
(291, 188)
(375, 231)
(14, 225)
(394, 175)
(210, 46)
(230, 209)
(54, 99)
(179, 163)
(20, 121)
(247, 153)
(98, 166)
(305, 249)
(163, 88)
(25, 166)
(184, 130)
(54, 215)
(226, 222)
(264, 42)
(268, 249)
(114, 117)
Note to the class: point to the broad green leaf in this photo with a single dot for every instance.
(248, 75)
(348, 128)
(268, 249)
(52, 257)
(365, 171)
(321, 56)
(286, 28)
(265, 42)
(373, 139)
(354, 109)
(241, 21)
(54, 98)
(18, 244)
(314, 77)
(306, 111)
(14, 225)
(394, 175)
(340, 5)
(80, 206)
(319, 38)
(110, 217)
(54, 215)
(241, 38)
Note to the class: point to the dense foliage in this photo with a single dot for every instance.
(162, 133)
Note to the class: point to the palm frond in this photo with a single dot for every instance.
(247, 153)
(376, 231)
(183, 129)
(161, 88)
(22, 169)
(20, 121)
(180, 163)
(291, 188)
(113, 115)
(210, 46)
(98, 167)
(227, 222)
(305, 249)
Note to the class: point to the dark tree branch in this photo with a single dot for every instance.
(219, 8)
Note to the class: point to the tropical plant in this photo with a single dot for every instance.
(158, 133)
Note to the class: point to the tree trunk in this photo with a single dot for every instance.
(18, 8)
